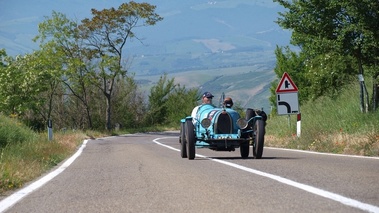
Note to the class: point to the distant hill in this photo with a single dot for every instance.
(195, 38)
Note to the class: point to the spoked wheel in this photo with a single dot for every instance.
(190, 140)
(182, 141)
(244, 149)
(258, 141)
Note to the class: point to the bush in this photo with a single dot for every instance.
(12, 131)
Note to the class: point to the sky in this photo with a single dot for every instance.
(19, 18)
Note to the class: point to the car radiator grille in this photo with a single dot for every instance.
(224, 124)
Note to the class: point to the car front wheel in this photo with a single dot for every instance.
(182, 140)
(190, 140)
(244, 149)
(258, 141)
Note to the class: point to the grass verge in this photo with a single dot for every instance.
(26, 155)
(333, 125)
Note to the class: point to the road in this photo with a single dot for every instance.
(145, 173)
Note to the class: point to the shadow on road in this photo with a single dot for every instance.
(167, 133)
(249, 158)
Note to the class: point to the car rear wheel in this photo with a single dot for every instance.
(258, 141)
(182, 141)
(190, 140)
(250, 113)
(244, 149)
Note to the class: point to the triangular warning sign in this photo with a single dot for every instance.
(286, 84)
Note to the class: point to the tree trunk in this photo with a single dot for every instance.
(375, 93)
(367, 105)
(108, 112)
(363, 90)
(361, 97)
(89, 117)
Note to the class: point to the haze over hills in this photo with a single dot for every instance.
(221, 46)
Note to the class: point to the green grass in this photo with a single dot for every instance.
(333, 125)
(13, 131)
(25, 155)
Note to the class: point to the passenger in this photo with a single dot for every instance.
(228, 102)
(206, 99)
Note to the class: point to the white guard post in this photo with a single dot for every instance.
(298, 126)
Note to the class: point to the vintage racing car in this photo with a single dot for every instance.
(222, 129)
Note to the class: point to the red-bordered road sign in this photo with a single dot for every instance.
(286, 85)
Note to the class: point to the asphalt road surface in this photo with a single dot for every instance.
(145, 173)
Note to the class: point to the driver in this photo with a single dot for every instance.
(206, 100)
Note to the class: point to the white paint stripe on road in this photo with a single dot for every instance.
(323, 153)
(333, 196)
(17, 196)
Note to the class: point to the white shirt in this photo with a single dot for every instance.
(194, 111)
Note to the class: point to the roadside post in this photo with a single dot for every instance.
(287, 100)
(49, 129)
(298, 132)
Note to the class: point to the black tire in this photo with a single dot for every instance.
(244, 149)
(249, 114)
(181, 132)
(258, 141)
(182, 141)
(190, 140)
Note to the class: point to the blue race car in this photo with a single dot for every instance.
(222, 129)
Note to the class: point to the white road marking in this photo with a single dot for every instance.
(322, 153)
(17, 196)
(320, 192)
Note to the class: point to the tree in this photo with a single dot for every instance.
(106, 35)
(42, 78)
(180, 103)
(3, 55)
(59, 38)
(131, 105)
(92, 52)
(10, 91)
(159, 95)
(28, 84)
(4, 60)
(338, 37)
(16, 83)
(170, 102)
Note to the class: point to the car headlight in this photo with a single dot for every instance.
(206, 122)
(242, 123)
